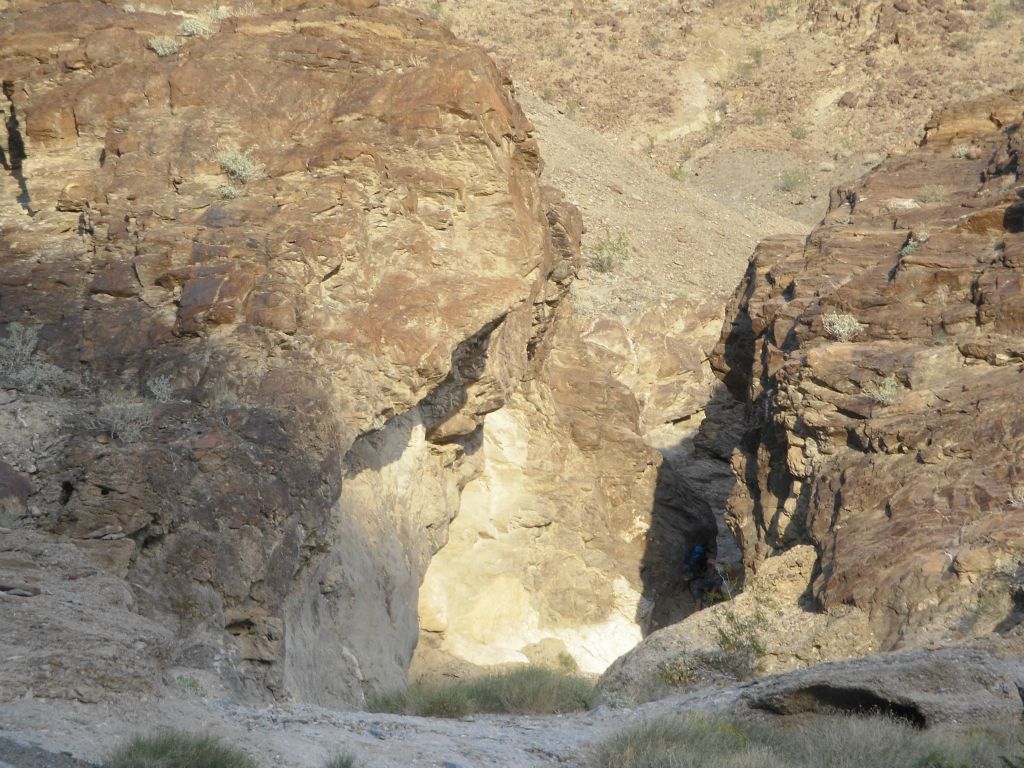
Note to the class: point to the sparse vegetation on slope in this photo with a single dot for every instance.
(341, 760)
(691, 741)
(527, 691)
(174, 749)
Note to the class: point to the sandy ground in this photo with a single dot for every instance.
(302, 736)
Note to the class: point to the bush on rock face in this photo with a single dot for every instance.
(174, 749)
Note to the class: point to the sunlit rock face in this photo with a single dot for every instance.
(544, 555)
(281, 297)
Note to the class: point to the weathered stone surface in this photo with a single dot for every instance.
(275, 285)
(538, 515)
(772, 618)
(951, 686)
(894, 448)
(74, 632)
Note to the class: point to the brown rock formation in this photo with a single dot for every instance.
(881, 367)
(258, 297)
(879, 498)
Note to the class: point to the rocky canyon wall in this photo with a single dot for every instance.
(281, 298)
(880, 364)
(877, 367)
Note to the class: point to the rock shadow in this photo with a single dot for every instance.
(13, 158)
(694, 482)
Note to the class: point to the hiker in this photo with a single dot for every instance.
(702, 573)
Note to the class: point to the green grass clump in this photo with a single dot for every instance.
(341, 760)
(605, 254)
(527, 690)
(836, 741)
(174, 749)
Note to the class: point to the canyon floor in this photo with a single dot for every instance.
(686, 132)
(301, 736)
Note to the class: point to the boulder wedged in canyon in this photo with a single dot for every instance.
(276, 289)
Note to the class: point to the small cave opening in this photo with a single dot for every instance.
(825, 699)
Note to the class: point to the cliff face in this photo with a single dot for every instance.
(877, 366)
(880, 363)
(280, 304)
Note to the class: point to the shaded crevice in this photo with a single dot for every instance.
(823, 699)
(14, 157)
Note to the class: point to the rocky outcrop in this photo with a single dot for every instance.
(770, 627)
(531, 568)
(880, 363)
(71, 629)
(279, 298)
(660, 354)
(878, 500)
(951, 687)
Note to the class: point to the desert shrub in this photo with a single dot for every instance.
(1015, 498)
(524, 690)
(193, 28)
(913, 243)
(128, 8)
(160, 388)
(742, 662)
(122, 417)
(425, 700)
(933, 193)
(606, 253)
(174, 749)
(567, 663)
(741, 637)
(239, 166)
(163, 45)
(692, 741)
(885, 392)
(680, 670)
(191, 686)
(960, 151)
(788, 182)
(17, 348)
(840, 326)
(532, 690)
(341, 760)
(22, 369)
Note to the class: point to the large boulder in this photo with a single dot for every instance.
(952, 687)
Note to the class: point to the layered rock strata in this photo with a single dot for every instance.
(878, 497)
(281, 297)
(881, 363)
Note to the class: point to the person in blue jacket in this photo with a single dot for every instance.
(699, 569)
